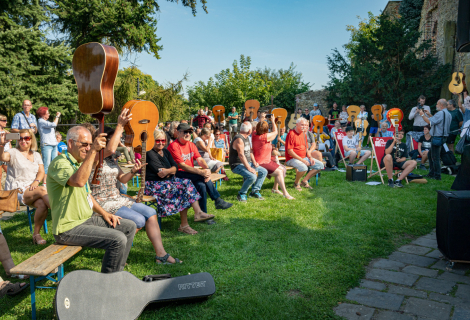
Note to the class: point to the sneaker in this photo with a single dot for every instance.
(256, 195)
(335, 168)
(429, 176)
(391, 184)
(221, 204)
(422, 167)
(241, 197)
(398, 184)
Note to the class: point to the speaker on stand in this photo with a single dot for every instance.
(463, 26)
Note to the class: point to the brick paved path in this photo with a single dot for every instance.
(412, 284)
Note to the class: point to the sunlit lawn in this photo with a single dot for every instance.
(272, 259)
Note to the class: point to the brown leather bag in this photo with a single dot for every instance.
(9, 200)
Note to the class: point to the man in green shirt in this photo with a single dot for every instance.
(232, 122)
(77, 219)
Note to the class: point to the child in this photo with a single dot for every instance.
(352, 148)
(61, 147)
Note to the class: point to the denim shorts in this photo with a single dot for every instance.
(301, 167)
(347, 153)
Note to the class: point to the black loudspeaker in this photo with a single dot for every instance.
(462, 180)
(356, 172)
(463, 26)
(453, 224)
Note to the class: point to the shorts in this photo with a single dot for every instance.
(232, 128)
(451, 138)
(373, 130)
(398, 165)
(270, 166)
(301, 167)
(347, 153)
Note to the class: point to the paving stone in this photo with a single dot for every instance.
(392, 276)
(425, 242)
(434, 254)
(411, 259)
(373, 285)
(409, 248)
(430, 284)
(461, 314)
(459, 268)
(376, 299)
(463, 292)
(425, 308)
(407, 291)
(446, 298)
(420, 271)
(454, 277)
(390, 315)
(350, 311)
(388, 264)
(431, 236)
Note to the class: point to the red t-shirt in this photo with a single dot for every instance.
(297, 142)
(261, 148)
(186, 153)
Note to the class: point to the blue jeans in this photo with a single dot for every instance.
(251, 178)
(203, 188)
(139, 213)
(48, 154)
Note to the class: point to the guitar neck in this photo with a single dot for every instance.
(143, 171)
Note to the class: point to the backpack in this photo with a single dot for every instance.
(448, 158)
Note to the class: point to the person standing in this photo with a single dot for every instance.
(455, 124)
(464, 105)
(363, 114)
(315, 112)
(333, 114)
(47, 136)
(232, 122)
(306, 115)
(418, 122)
(343, 117)
(24, 119)
(201, 119)
(384, 116)
(440, 127)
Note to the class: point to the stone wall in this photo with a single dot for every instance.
(391, 9)
(307, 99)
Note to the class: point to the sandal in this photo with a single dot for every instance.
(306, 185)
(12, 288)
(210, 216)
(37, 239)
(164, 260)
(297, 187)
(187, 229)
(276, 191)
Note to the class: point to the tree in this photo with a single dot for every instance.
(389, 66)
(410, 12)
(130, 26)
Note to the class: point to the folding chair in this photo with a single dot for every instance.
(414, 146)
(378, 152)
(339, 135)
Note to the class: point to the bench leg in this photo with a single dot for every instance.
(32, 287)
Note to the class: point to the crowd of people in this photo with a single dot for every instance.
(179, 168)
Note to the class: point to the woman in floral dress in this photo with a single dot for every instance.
(173, 195)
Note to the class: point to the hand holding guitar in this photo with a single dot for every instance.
(138, 166)
(124, 117)
(100, 142)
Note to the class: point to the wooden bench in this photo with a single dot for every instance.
(216, 178)
(45, 265)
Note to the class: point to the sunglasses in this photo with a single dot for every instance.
(160, 141)
(188, 131)
(84, 144)
(3, 120)
(25, 138)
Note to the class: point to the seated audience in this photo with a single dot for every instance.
(171, 134)
(299, 157)
(424, 145)
(24, 172)
(243, 162)
(262, 149)
(184, 152)
(352, 147)
(202, 144)
(128, 152)
(220, 142)
(73, 206)
(61, 147)
(3, 165)
(383, 132)
(6, 287)
(281, 138)
(390, 160)
(318, 154)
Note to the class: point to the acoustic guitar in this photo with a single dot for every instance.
(457, 83)
(219, 114)
(361, 128)
(317, 123)
(138, 129)
(377, 111)
(395, 116)
(251, 109)
(85, 294)
(279, 116)
(95, 68)
(294, 116)
(353, 112)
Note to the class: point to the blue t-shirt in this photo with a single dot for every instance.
(219, 143)
(62, 147)
(283, 137)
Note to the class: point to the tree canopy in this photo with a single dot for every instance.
(410, 12)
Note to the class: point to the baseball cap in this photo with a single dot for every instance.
(184, 127)
(315, 104)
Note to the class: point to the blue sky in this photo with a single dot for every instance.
(273, 33)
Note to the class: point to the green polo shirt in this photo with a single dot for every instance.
(69, 205)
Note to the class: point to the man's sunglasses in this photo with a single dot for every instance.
(187, 131)
(160, 141)
(25, 138)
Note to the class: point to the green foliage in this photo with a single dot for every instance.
(130, 26)
(389, 66)
(364, 30)
(232, 87)
(410, 12)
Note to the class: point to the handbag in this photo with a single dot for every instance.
(9, 200)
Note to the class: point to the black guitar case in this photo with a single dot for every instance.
(85, 294)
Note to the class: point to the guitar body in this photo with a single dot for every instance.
(293, 118)
(95, 68)
(318, 122)
(377, 111)
(361, 125)
(251, 109)
(395, 116)
(85, 294)
(279, 117)
(134, 129)
(353, 112)
(457, 83)
(219, 114)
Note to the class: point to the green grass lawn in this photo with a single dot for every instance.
(272, 259)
